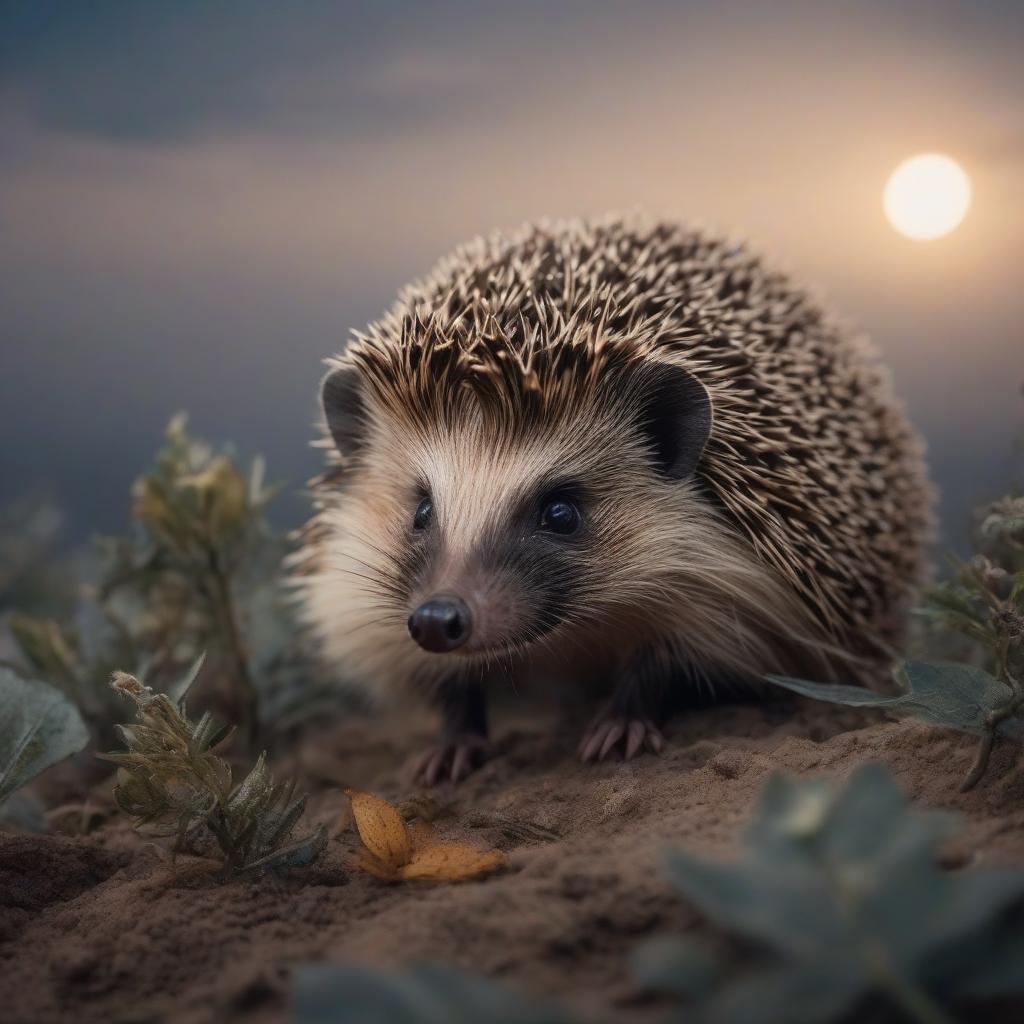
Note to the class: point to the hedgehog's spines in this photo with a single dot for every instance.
(810, 459)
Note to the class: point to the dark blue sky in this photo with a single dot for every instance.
(199, 200)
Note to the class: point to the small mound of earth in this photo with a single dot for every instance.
(103, 929)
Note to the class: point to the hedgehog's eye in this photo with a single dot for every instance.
(560, 516)
(424, 513)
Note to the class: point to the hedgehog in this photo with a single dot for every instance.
(616, 451)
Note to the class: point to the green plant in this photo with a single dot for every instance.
(58, 653)
(983, 603)
(841, 896)
(961, 697)
(170, 780)
(424, 994)
(39, 726)
(201, 572)
(203, 521)
(31, 573)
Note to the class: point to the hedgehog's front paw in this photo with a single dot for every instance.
(616, 732)
(454, 758)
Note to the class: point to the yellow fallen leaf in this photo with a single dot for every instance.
(396, 851)
(446, 860)
(381, 829)
(372, 866)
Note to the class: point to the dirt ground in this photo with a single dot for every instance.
(100, 929)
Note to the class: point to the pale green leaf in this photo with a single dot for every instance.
(39, 726)
(680, 966)
(945, 694)
(178, 690)
(425, 994)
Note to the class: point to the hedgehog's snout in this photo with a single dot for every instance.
(441, 624)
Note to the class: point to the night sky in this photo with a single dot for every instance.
(199, 200)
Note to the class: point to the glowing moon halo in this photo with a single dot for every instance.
(927, 196)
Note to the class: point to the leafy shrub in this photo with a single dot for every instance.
(171, 781)
(841, 894)
(201, 572)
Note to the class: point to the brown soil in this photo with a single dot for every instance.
(101, 929)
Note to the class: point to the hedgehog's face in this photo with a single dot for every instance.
(496, 580)
(483, 536)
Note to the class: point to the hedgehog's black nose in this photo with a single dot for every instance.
(440, 624)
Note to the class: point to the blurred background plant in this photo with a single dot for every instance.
(978, 613)
(200, 571)
(842, 900)
(39, 727)
(33, 578)
(976, 616)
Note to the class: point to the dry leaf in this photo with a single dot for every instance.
(381, 829)
(372, 866)
(450, 861)
(395, 851)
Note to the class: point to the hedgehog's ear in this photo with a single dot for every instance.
(341, 395)
(675, 416)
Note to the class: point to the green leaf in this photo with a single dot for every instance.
(955, 696)
(426, 994)
(778, 905)
(253, 788)
(39, 726)
(843, 893)
(857, 828)
(992, 969)
(1005, 520)
(783, 995)
(680, 966)
(178, 691)
(952, 599)
(25, 811)
(298, 854)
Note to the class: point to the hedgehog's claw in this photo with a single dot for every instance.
(451, 760)
(630, 735)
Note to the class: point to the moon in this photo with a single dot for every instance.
(927, 196)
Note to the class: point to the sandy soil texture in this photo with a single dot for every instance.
(100, 929)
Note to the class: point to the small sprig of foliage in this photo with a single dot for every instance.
(961, 697)
(843, 897)
(984, 604)
(170, 780)
(201, 572)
